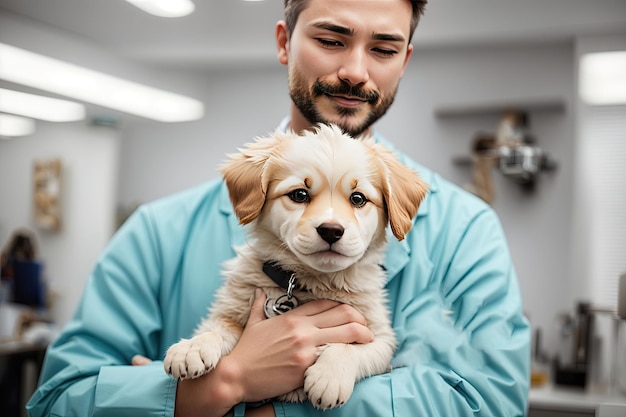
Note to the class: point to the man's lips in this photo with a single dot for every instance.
(348, 101)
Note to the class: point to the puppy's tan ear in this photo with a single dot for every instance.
(244, 174)
(403, 191)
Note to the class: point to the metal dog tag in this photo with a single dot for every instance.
(281, 305)
(284, 303)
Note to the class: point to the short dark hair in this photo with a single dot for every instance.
(293, 8)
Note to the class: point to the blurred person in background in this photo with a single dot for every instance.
(20, 248)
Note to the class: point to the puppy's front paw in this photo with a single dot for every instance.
(191, 358)
(328, 383)
(295, 396)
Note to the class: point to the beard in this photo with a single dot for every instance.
(305, 98)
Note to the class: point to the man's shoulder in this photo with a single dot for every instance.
(197, 192)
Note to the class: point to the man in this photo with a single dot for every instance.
(456, 310)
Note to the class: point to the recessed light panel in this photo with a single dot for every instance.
(14, 126)
(603, 78)
(40, 107)
(38, 71)
(165, 8)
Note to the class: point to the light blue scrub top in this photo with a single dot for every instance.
(464, 344)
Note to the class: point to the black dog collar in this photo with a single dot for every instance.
(280, 276)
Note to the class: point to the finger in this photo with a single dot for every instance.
(347, 333)
(314, 307)
(337, 316)
(139, 360)
(256, 312)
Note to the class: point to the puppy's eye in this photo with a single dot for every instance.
(358, 199)
(299, 196)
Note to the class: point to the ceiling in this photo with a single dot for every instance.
(235, 31)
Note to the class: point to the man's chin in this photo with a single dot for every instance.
(353, 121)
(353, 128)
(354, 125)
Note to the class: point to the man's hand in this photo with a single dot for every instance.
(273, 354)
(270, 358)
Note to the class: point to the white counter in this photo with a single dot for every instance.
(575, 401)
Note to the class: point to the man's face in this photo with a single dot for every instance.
(345, 59)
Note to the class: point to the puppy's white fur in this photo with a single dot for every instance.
(332, 171)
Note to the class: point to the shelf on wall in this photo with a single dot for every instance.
(463, 161)
(474, 109)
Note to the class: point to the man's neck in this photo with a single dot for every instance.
(298, 123)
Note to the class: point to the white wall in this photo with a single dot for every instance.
(90, 157)
(158, 159)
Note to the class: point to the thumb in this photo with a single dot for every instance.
(139, 360)
(257, 313)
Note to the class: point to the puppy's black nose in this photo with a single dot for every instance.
(330, 232)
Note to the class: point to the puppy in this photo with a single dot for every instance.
(317, 207)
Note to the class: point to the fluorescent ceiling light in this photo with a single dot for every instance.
(39, 107)
(12, 126)
(38, 71)
(603, 78)
(165, 8)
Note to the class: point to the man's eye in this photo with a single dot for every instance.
(358, 199)
(385, 52)
(329, 43)
(299, 196)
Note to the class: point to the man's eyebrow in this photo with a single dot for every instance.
(388, 37)
(342, 30)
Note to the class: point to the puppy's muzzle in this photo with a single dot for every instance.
(330, 232)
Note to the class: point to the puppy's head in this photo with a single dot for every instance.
(322, 196)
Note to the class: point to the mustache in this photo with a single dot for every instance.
(344, 89)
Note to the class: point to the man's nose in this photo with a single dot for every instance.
(353, 69)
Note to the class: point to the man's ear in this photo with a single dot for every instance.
(282, 42)
(407, 58)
